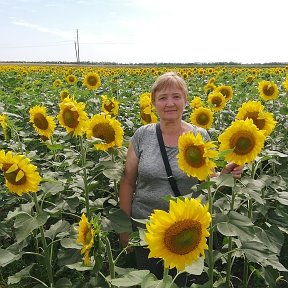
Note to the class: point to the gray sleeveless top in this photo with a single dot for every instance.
(152, 184)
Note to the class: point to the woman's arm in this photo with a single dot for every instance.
(127, 187)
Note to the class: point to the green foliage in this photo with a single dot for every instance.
(39, 232)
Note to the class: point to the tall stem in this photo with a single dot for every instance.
(45, 247)
(250, 212)
(83, 163)
(110, 259)
(229, 258)
(114, 181)
(210, 249)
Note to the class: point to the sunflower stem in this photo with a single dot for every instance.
(250, 206)
(229, 257)
(165, 272)
(54, 153)
(86, 191)
(44, 243)
(110, 259)
(210, 249)
(114, 181)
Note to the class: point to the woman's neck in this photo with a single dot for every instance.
(171, 132)
(171, 128)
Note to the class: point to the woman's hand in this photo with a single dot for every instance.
(124, 241)
(235, 170)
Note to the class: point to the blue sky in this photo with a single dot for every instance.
(144, 31)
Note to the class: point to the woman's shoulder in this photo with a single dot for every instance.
(195, 130)
(147, 128)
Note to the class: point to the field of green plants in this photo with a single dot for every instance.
(63, 138)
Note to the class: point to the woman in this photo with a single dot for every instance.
(145, 184)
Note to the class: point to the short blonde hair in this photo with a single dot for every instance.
(166, 80)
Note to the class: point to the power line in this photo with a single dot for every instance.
(60, 43)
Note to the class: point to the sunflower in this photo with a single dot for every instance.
(217, 101)
(202, 117)
(268, 90)
(209, 87)
(4, 125)
(244, 138)
(64, 93)
(43, 124)
(178, 236)
(72, 116)
(285, 84)
(86, 235)
(57, 83)
(255, 111)
(92, 81)
(107, 129)
(226, 91)
(109, 105)
(194, 157)
(196, 102)
(71, 79)
(20, 175)
(146, 109)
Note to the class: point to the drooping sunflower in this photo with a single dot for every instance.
(4, 125)
(226, 91)
(43, 124)
(64, 93)
(285, 83)
(146, 109)
(71, 79)
(195, 156)
(109, 105)
(72, 116)
(20, 175)
(268, 90)
(178, 236)
(196, 102)
(244, 138)
(210, 86)
(57, 83)
(86, 235)
(217, 101)
(92, 81)
(107, 129)
(202, 117)
(262, 119)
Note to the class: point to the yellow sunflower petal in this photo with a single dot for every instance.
(244, 138)
(178, 236)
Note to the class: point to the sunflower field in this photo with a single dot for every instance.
(63, 139)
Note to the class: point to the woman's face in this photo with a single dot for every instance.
(170, 103)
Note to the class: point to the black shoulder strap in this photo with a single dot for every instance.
(171, 179)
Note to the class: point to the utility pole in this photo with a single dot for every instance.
(76, 46)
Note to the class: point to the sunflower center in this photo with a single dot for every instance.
(216, 101)
(104, 132)
(268, 90)
(40, 121)
(259, 123)
(183, 236)
(71, 79)
(11, 177)
(92, 80)
(194, 156)
(109, 107)
(202, 119)
(146, 117)
(243, 143)
(70, 118)
(225, 93)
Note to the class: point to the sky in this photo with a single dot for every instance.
(144, 31)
